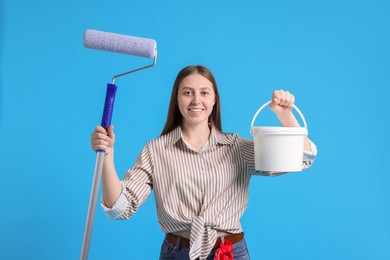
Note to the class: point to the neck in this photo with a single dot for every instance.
(196, 136)
(196, 132)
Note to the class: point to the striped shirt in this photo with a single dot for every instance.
(202, 191)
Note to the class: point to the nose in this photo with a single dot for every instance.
(196, 98)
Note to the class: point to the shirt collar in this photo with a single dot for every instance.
(216, 137)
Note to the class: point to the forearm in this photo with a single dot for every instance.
(112, 186)
(289, 120)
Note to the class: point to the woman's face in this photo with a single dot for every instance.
(196, 99)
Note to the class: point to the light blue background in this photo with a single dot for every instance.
(333, 55)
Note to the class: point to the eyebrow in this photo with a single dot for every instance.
(203, 88)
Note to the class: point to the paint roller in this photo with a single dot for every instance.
(124, 44)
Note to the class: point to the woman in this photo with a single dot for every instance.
(199, 174)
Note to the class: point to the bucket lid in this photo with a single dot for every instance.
(276, 130)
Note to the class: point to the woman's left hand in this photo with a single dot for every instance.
(282, 102)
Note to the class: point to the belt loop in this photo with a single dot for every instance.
(223, 239)
(178, 243)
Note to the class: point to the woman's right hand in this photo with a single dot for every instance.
(103, 140)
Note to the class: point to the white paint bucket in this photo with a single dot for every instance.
(278, 149)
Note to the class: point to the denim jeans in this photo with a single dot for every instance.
(240, 252)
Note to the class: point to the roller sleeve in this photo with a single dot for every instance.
(125, 44)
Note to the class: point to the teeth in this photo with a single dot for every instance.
(196, 109)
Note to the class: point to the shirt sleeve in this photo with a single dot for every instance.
(308, 157)
(137, 185)
(118, 208)
(247, 153)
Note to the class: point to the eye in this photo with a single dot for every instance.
(205, 93)
(187, 93)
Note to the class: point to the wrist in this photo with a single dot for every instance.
(109, 155)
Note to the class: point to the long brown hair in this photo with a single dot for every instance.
(174, 117)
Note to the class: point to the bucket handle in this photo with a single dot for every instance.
(269, 102)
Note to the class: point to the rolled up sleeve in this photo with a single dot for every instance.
(118, 208)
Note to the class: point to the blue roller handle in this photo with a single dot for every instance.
(106, 122)
(108, 105)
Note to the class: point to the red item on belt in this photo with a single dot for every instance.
(225, 251)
